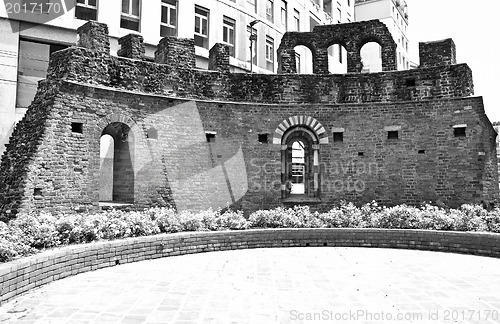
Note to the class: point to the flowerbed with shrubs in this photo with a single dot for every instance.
(29, 233)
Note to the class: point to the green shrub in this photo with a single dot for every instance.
(192, 222)
(436, 218)
(493, 220)
(401, 216)
(473, 218)
(232, 220)
(370, 214)
(12, 243)
(297, 217)
(334, 218)
(353, 217)
(306, 219)
(65, 228)
(139, 224)
(347, 215)
(30, 232)
(268, 218)
(39, 231)
(167, 219)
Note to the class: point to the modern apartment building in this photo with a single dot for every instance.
(28, 40)
(394, 14)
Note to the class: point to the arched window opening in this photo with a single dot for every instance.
(116, 182)
(337, 59)
(300, 176)
(371, 57)
(303, 60)
(298, 168)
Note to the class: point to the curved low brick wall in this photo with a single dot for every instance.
(27, 273)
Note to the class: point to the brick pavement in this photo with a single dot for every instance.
(287, 285)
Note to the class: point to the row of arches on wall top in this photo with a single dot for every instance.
(371, 58)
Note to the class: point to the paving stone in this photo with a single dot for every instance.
(224, 287)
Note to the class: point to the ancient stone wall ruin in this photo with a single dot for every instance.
(351, 36)
(195, 139)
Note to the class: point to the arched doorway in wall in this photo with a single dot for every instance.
(116, 179)
(106, 168)
(337, 59)
(300, 160)
(371, 57)
(303, 59)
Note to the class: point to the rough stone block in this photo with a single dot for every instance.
(219, 58)
(132, 46)
(442, 52)
(95, 36)
(176, 52)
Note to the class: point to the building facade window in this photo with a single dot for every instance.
(130, 18)
(201, 23)
(296, 20)
(270, 10)
(253, 55)
(284, 14)
(297, 62)
(228, 34)
(252, 4)
(270, 53)
(313, 22)
(86, 9)
(168, 25)
(32, 67)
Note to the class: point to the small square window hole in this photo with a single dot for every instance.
(264, 138)
(392, 135)
(410, 83)
(459, 132)
(77, 128)
(210, 137)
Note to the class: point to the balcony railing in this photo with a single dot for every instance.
(328, 19)
(315, 5)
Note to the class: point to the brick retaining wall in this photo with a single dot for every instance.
(25, 274)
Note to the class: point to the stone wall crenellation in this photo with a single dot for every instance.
(437, 53)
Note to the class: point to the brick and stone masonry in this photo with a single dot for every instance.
(195, 139)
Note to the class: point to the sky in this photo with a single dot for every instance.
(474, 27)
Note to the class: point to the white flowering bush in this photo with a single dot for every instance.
(12, 244)
(473, 218)
(167, 219)
(38, 231)
(493, 220)
(232, 220)
(31, 232)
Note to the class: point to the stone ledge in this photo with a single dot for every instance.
(21, 275)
